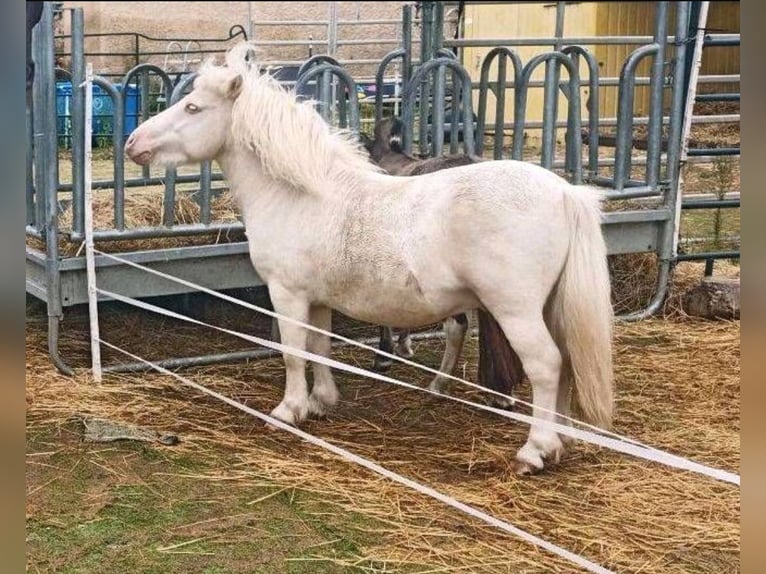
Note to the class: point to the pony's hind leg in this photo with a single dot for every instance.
(404, 345)
(530, 338)
(295, 404)
(386, 344)
(324, 393)
(564, 399)
(455, 329)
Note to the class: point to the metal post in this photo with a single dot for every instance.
(667, 244)
(46, 152)
(426, 53)
(656, 87)
(144, 89)
(332, 28)
(78, 117)
(551, 94)
(30, 195)
(407, 45)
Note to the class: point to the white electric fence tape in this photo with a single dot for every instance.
(428, 491)
(361, 345)
(654, 455)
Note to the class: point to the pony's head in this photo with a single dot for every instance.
(195, 128)
(237, 108)
(387, 138)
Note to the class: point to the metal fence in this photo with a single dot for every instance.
(436, 103)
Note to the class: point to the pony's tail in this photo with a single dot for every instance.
(581, 313)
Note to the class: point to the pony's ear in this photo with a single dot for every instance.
(234, 87)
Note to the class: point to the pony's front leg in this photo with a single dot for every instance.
(295, 404)
(324, 393)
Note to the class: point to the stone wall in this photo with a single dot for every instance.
(213, 20)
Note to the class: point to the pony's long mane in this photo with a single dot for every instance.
(293, 143)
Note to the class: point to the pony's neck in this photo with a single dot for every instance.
(293, 143)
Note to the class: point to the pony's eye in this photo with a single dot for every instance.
(191, 108)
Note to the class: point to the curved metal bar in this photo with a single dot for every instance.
(315, 61)
(591, 105)
(624, 137)
(146, 68)
(663, 282)
(445, 53)
(178, 90)
(409, 98)
(119, 148)
(119, 143)
(573, 113)
(54, 323)
(503, 54)
(437, 113)
(330, 69)
(240, 32)
(63, 72)
(379, 73)
(656, 85)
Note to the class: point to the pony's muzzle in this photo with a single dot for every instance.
(141, 154)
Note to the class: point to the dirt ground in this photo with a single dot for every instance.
(234, 497)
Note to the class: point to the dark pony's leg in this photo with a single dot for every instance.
(500, 368)
(386, 344)
(404, 345)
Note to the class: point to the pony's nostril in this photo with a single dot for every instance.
(131, 140)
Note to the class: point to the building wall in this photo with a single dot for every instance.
(527, 21)
(195, 20)
(588, 19)
(723, 18)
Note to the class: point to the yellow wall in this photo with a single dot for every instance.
(518, 20)
(723, 17)
(587, 19)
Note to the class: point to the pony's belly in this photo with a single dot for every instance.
(402, 309)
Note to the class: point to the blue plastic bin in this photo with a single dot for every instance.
(103, 112)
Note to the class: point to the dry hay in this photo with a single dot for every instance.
(144, 208)
(634, 278)
(678, 389)
(634, 282)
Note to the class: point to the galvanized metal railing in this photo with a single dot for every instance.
(431, 141)
(331, 78)
(436, 99)
(720, 199)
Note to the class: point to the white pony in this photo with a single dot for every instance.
(327, 230)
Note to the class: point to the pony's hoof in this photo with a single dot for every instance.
(532, 457)
(381, 365)
(523, 468)
(438, 386)
(498, 402)
(321, 403)
(405, 350)
(290, 414)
